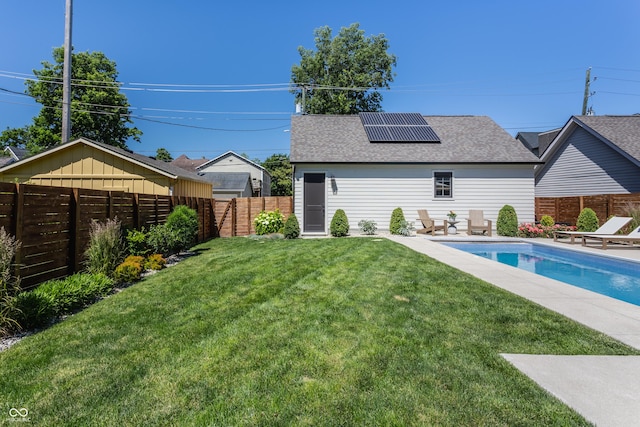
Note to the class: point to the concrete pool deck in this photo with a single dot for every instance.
(603, 389)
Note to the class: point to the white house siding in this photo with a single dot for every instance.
(373, 191)
(584, 166)
(232, 163)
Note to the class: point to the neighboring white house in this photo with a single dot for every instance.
(229, 185)
(371, 163)
(232, 162)
(592, 155)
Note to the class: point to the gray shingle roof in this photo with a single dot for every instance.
(227, 180)
(165, 167)
(622, 131)
(464, 139)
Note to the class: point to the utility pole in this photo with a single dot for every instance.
(585, 99)
(66, 74)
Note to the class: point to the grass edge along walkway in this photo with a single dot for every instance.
(304, 332)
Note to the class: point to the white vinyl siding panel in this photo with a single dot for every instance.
(585, 165)
(373, 191)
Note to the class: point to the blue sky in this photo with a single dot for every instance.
(228, 63)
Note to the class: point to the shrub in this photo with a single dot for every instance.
(533, 230)
(507, 223)
(406, 228)
(128, 272)
(367, 226)
(74, 292)
(547, 221)
(9, 286)
(137, 242)
(268, 222)
(182, 224)
(160, 239)
(339, 224)
(397, 217)
(106, 247)
(34, 310)
(291, 227)
(587, 220)
(154, 262)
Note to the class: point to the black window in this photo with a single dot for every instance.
(443, 184)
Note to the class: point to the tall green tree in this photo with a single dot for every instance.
(163, 154)
(280, 169)
(98, 110)
(344, 74)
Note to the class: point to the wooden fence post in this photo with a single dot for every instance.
(74, 237)
(19, 222)
(234, 213)
(136, 211)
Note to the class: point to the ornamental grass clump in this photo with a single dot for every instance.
(397, 220)
(339, 224)
(9, 286)
(633, 210)
(106, 247)
(268, 222)
(587, 220)
(507, 223)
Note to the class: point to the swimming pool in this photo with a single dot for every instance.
(616, 278)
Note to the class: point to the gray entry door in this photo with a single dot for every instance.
(314, 195)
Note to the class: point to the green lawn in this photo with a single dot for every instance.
(306, 332)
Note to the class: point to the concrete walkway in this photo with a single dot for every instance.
(603, 389)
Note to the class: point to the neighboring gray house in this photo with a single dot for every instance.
(537, 142)
(371, 163)
(12, 155)
(228, 185)
(232, 162)
(592, 155)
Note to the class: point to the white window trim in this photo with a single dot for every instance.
(435, 196)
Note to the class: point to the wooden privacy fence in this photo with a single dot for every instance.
(53, 223)
(566, 209)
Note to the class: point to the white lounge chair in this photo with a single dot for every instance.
(612, 226)
(632, 237)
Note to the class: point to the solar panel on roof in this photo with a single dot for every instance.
(378, 133)
(426, 134)
(392, 119)
(397, 127)
(401, 133)
(371, 119)
(415, 119)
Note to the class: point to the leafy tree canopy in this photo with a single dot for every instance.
(281, 171)
(98, 110)
(353, 65)
(163, 154)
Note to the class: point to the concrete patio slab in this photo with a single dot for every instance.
(605, 390)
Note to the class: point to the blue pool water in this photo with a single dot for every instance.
(618, 279)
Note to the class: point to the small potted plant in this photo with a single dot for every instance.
(452, 215)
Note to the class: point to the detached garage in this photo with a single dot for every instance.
(89, 164)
